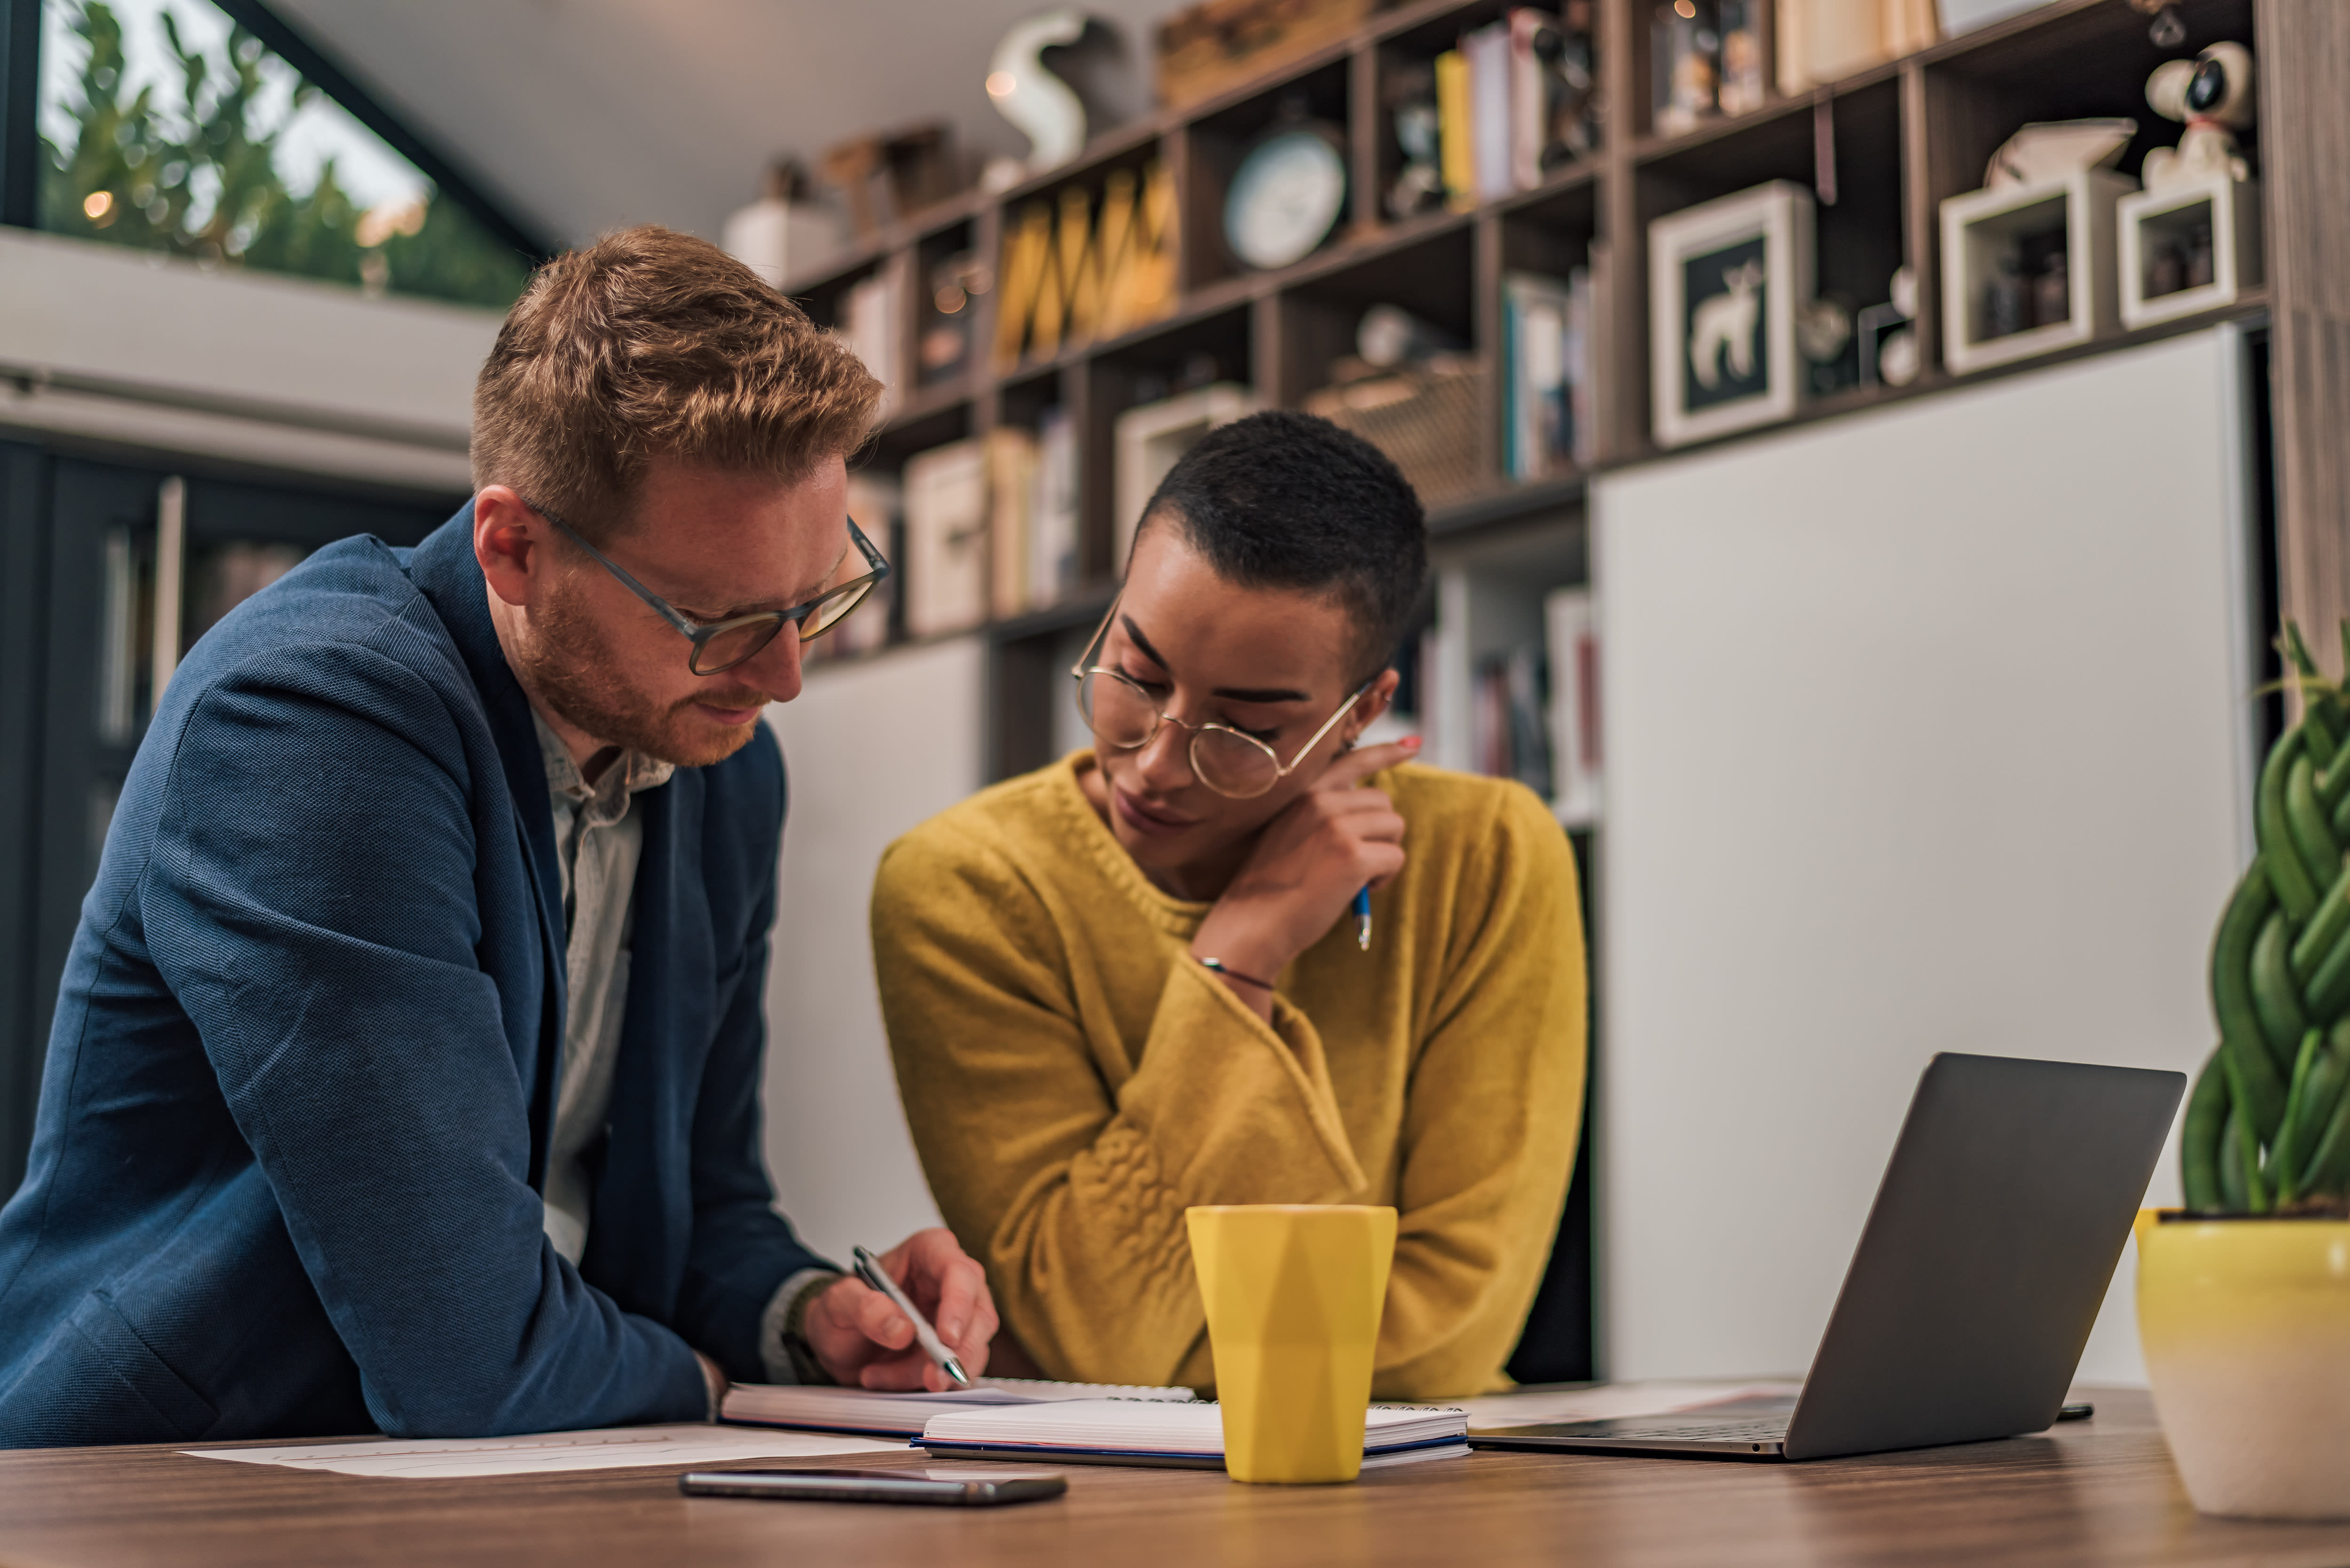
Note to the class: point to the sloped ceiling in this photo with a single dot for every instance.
(582, 115)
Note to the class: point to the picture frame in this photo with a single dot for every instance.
(1725, 278)
(2215, 221)
(2010, 254)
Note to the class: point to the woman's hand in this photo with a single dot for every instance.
(1325, 846)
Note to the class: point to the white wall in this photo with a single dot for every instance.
(106, 341)
(872, 748)
(1926, 731)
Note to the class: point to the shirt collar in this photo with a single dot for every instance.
(608, 798)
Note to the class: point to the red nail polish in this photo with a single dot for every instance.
(1410, 741)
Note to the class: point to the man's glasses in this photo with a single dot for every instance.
(1235, 765)
(722, 645)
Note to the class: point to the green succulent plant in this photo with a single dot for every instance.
(2268, 1126)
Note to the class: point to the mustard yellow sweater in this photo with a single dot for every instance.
(1075, 1081)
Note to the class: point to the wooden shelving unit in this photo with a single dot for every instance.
(1881, 150)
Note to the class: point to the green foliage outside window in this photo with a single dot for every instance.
(198, 176)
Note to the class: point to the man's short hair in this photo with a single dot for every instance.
(1284, 500)
(653, 343)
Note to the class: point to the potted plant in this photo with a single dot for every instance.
(2243, 1295)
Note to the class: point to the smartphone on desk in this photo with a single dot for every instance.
(951, 1487)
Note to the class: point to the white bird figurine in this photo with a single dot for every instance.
(1032, 98)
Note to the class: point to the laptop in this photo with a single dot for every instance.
(1970, 1296)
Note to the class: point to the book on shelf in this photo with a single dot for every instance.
(1509, 737)
(1533, 87)
(946, 539)
(1547, 416)
(1075, 269)
(1512, 106)
(1455, 159)
(873, 322)
(1488, 52)
(824, 1409)
(874, 502)
(1011, 510)
(1053, 520)
(1825, 40)
(1572, 631)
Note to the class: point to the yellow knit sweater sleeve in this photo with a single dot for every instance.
(1074, 1081)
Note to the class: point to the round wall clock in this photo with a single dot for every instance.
(1287, 194)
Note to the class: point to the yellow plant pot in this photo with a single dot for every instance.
(2246, 1328)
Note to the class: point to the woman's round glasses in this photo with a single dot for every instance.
(1235, 765)
(722, 645)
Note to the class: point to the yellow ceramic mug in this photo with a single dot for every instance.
(1294, 1293)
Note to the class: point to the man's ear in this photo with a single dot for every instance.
(510, 540)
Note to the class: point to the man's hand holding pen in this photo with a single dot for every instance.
(861, 1338)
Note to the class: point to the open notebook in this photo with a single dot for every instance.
(1141, 1432)
(825, 1409)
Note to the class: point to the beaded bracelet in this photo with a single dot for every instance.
(1219, 966)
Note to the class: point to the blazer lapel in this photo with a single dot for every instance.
(444, 568)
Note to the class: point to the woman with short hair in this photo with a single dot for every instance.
(1132, 981)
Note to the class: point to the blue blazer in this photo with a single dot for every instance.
(285, 1175)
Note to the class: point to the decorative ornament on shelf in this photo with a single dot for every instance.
(2167, 30)
(2244, 1297)
(1409, 93)
(1889, 342)
(2214, 94)
(888, 176)
(2051, 149)
(1289, 191)
(784, 234)
(1042, 105)
(2191, 241)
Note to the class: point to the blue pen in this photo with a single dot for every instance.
(1363, 919)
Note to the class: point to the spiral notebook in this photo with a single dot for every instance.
(1147, 1432)
(877, 1413)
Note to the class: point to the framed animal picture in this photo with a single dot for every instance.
(1725, 280)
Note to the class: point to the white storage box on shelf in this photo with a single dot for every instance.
(1151, 436)
(2013, 238)
(2189, 248)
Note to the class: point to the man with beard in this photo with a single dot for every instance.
(405, 1073)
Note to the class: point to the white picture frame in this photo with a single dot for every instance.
(1726, 360)
(2150, 219)
(1981, 226)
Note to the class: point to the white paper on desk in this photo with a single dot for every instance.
(1612, 1401)
(545, 1453)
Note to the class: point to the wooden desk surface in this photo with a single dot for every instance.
(2101, 1492)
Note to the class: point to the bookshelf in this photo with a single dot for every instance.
(1880, 149)
(1888, 143)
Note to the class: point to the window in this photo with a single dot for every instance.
(166, 126)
